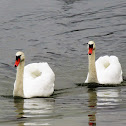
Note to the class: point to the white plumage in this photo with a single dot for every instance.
(38, 80)
(109, 70)
(106, 70)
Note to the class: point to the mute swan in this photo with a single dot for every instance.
(36, 79)
(106, 70)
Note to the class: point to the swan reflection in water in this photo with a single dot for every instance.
(92, 104)
(42, 111)
(101, 98)
(36, 111)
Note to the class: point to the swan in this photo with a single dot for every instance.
(33, 80)
(106, 70)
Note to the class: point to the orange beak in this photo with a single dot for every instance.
(90, 50)
(17, 62)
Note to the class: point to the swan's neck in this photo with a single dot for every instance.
(92, 77)
(18, 87)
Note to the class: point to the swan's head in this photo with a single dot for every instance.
(91, 47)
(19, 58)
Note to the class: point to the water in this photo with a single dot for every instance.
(56, 31)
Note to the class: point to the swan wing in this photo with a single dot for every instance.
(38, 80)
(109, 70)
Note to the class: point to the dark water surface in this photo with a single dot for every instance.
(56, 31)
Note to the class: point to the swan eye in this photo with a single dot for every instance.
(90, 45)
(18, 57)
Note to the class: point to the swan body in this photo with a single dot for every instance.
(106, 70)
(33, 80)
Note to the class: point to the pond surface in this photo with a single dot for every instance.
(56, 31)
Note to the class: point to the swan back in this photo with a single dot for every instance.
(109, 70)
(38, 80)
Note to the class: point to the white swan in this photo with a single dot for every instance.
(36, 79)
(106, 70)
